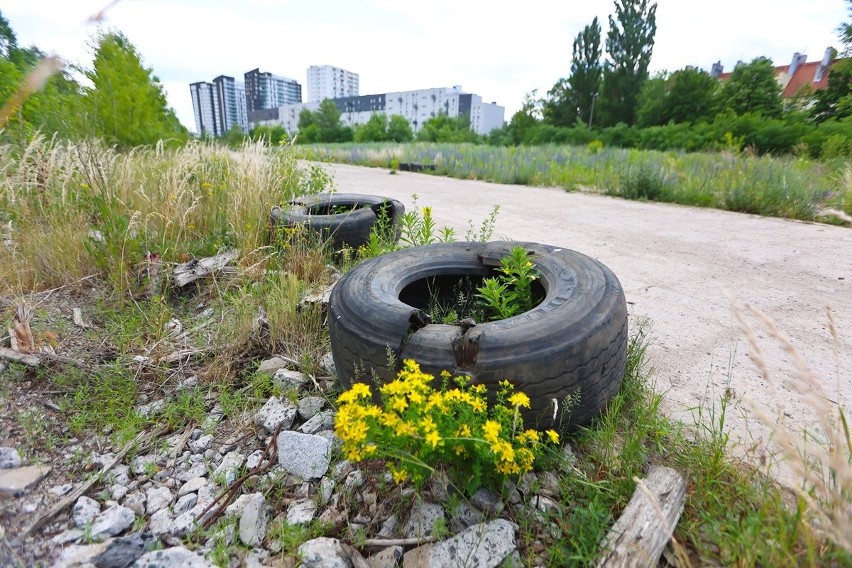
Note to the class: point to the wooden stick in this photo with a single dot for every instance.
(638, 537)
(16, 357)
(385, 542)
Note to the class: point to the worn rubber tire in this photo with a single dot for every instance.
(574, 340)
(342, 229)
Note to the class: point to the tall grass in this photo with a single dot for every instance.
(72, 208)
(790, 187)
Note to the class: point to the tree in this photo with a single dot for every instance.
(442, 128)
(327, 120)
(835, 101)
(374, 130)
(8, 40)
(586, 70)
(126, 103)
(652, 101)
(691, 96)
(752, 88)
(525, 120)
(629, 43)
(399, 130)
(572, 99)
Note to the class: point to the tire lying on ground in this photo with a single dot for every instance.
(342, 218)
(568, 353)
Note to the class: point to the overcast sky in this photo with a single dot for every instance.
(499, 50)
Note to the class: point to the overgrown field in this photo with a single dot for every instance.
(795, 188)
(84, 226)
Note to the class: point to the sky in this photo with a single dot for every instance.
(496, 49)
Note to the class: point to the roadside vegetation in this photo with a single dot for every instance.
(104, 229)
(796, 188)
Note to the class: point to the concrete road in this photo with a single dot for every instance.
(682, 269)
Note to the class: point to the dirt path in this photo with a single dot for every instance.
(680, 268)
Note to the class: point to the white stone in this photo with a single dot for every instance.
(422, 520)
(202, 443)
(192, 486)
(254, 459)
(112, 521)
(85, 509)
(321, 421)
(253, 520)
(185, 503)
(276, 413)
(157, 498)
(304, 455)
(310, 405)
(229, 467)
(9, 457)
(118, 491)
(286, 379)
(326, 488)
(142, 464)
(481, 546)
(301, 512)
(67, 537)
(171, 557)
(20, 480)
(197, 469)
(272, 365)
(183, 524)
(323, 552)
(160, 522)
(135, 502)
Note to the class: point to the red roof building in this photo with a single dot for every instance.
(799, 74)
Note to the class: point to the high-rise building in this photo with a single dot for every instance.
(231, 96)
(327, 82)
(265, 90)
(206, 109)
(218, 106)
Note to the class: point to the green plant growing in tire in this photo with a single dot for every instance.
(510, 292)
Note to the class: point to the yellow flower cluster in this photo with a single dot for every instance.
(418, 427)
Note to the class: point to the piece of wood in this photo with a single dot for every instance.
(194, 269)
(16, 357)
(639, 536)
(77, 318)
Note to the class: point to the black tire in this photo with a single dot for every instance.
(572, 344)
(351, 228)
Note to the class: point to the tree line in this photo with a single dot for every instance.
(122, 101)
(613, 99)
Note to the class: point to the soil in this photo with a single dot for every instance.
(683, 270)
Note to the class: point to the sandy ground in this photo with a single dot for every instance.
(682, 269)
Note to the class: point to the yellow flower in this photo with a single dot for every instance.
(464, 431)
(432, 438)
(399, 475)
(520, 399)
(399, 403)
(529, 436)
(490, 431)
(553, 436)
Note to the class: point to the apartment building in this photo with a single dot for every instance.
(329, 82)
(265, 90)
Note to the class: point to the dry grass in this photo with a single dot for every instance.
(71, 206)
(819, 456)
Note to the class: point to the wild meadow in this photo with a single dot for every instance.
(785, 186)
(88, 226)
